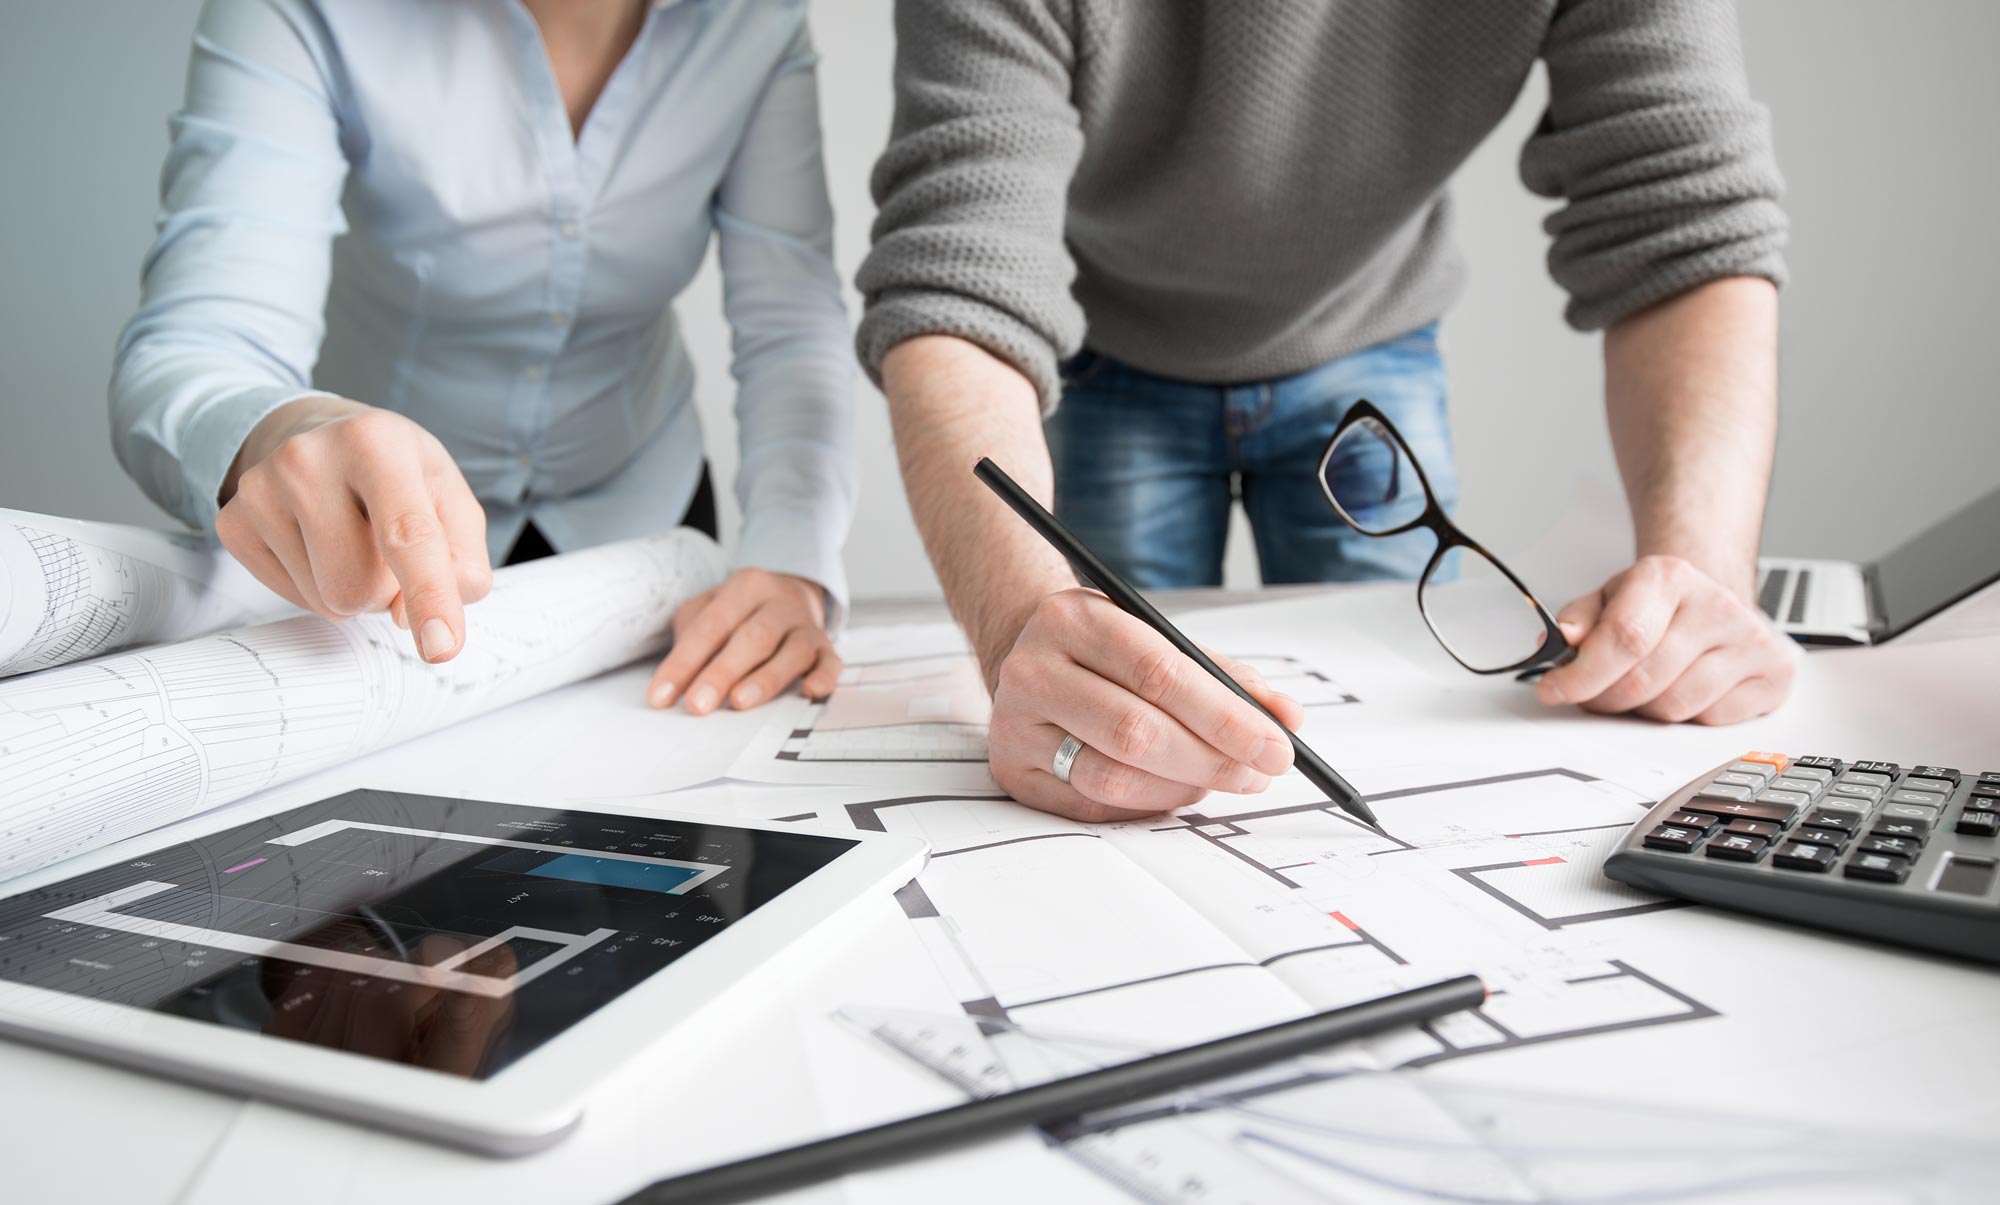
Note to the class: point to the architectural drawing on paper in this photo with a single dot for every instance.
(1497, 875)
(70, 590)
(95, 752)
(929, 709)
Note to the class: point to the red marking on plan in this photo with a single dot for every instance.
(1543, 862)
(1342, 918)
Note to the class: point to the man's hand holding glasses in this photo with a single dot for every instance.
(1662, 639)
(1666, 641)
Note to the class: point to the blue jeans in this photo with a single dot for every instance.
(1147, 467)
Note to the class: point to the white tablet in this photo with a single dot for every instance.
(450, 968)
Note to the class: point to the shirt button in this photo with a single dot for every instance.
(525, 461)
(533, 372)
(558, 318)
(569, 230)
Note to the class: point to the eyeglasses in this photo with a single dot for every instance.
(1479, 611)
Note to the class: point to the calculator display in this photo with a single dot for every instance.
(451, 934)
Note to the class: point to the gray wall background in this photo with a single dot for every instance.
(1884, 126)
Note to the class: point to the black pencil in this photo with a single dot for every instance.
(1058, 1100)
(1096, 573)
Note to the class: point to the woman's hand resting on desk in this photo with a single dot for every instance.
(342, 508)
(1666, 641)
(746, 641)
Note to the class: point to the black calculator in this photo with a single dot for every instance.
(1910, 856)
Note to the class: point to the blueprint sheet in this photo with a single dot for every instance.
(95, 752)
(1248, 909)
(1242, 911)
(911, 710)
(71, 589)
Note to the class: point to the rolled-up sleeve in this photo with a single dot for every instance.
(231, 295)
(968, 238)
(788, 323)
(1662, 160)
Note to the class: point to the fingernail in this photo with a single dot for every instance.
(1273, 756)
(663, 694)
(1572, 632)
(1553, 693)
(700, 699)
(402, 620)
(748, 696)
(434, 639)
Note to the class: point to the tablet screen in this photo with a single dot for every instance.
(443, 933)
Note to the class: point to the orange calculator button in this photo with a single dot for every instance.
(1777, 761)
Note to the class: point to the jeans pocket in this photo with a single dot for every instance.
(1082, 368)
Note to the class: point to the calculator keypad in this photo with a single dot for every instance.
(1908, 811)
(1916, 830)
(1797, 855)
(1845, 819)
(1729, 809)
(1871, 819)
(1880, 868)
(1763, 830)
(1902, 847)
(1979, 824)
(1737, 847)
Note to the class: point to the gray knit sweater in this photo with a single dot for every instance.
(1231, 190)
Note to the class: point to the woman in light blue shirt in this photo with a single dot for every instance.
(410, 310)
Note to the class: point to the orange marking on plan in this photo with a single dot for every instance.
(1543, 862)
(1342, 918)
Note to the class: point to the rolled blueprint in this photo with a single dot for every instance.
(91, 754)
(71, 589)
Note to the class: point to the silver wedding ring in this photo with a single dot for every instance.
(1065, 758)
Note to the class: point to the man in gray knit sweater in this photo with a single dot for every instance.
(1191, 233)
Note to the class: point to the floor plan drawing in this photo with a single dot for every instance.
(899, 718)
(917, 709)
(1242, 912)
(1254, 909)
(1245, 911)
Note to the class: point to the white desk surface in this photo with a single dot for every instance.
(77, 1132)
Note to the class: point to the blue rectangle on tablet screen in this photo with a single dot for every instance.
(616, 872)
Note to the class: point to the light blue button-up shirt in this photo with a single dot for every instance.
(384, 200)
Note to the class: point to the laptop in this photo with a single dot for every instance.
(1845, 602)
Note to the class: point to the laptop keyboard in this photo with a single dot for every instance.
(1771, 594)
